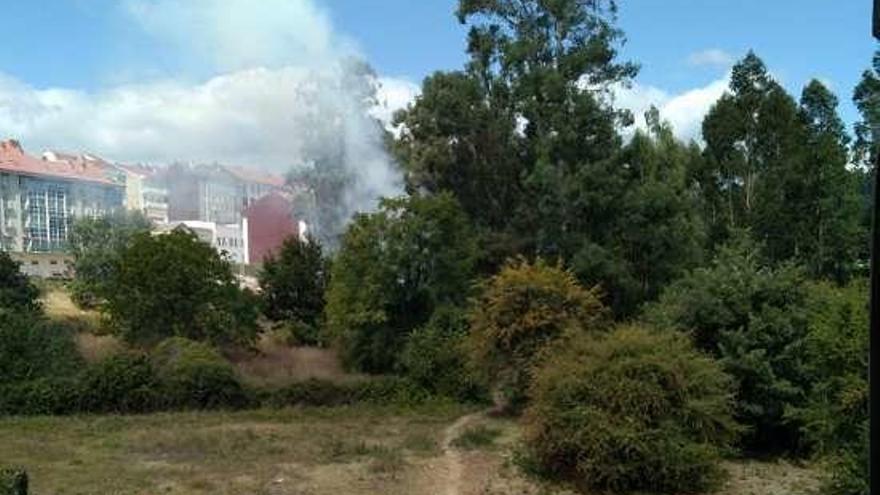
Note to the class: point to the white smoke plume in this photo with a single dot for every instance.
(272, 83)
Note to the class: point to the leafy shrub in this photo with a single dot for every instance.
(381, 391)
(752, 317)
(631, 410)
(835, 416)
(434, 357)
(293, 284)
(176, 285)
(96, 244)
(389, 390)
(31, 347)
(13, 482)
(394, 269)
(194, 375)
(297, 333)
(17, 293)
(41, 396)
(521, 310)
(124, 383)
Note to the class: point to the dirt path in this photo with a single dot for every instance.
(452, 472)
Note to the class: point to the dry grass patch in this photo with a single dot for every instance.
(287, 451)
(277, 364)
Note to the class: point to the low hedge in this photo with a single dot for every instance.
(13, 482)
(384, 390)
(136, 389)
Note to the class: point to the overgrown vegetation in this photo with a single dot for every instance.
(96, 244)
(630, 410)
(393, 270)
(292, 287)
(176, 285)
(520, 312)
(752, 318)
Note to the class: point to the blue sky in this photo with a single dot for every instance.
(105, 65)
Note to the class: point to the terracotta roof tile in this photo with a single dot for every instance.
(14, 159)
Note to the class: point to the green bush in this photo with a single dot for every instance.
(293, 283)
(522, 310)
(31, 347)
(435, 359)
(124, 383)
(173, 284)
(17, 293)
(194, 375)
(394, 269)
(835, 416)
(41, 396)
(389, 390)
(13, 482)
(631, 410)
(753, 318)
(298, 333)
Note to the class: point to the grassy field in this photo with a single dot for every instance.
(341, 450)
(346, 450)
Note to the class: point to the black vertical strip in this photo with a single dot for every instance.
(876, 25)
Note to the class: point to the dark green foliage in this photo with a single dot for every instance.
(395, 267)
(314, 392)
(120, 384)
(835, 417)
(434, 356)
(832, 238)
(752, 318)
(293, 284)
(175, 285)
(755, 148)
(511, 133)
(195, 376)
(631, 410)
(41, 396)
(13, 482)
(17, 293)
(31, 347)
(866, 97)
(642, 219)
(520, 311)
(95, 244)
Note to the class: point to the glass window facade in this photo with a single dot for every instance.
(47, 218)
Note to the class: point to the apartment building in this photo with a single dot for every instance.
(40, 197)
(215, 193)
(145, 191)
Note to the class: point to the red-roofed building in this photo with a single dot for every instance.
(40, 197)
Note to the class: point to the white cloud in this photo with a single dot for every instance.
(685, 110)
(281, 85)
(393, 94)
(712, 57)
(240, 34)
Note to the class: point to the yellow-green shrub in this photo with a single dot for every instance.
(521, 310)
(630, 410)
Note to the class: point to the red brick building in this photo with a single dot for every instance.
(270, 220)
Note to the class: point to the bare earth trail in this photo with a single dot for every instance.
(470, 472)
(452, 456)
